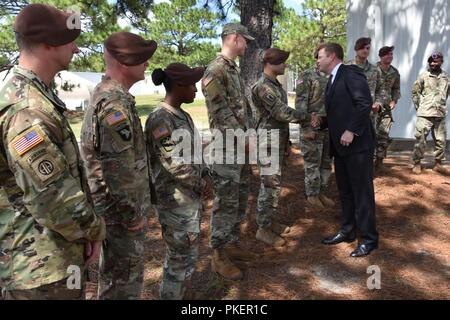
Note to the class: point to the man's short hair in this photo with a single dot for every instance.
(332, 47)
(24, 43)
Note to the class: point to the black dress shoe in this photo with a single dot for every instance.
(363, 249)
(338, 238)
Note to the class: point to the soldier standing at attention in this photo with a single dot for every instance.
(362, 48)
(115, 156)
(54, 232)
(314, 142)
(180, 186)
(389, 95)
(273, 111)
(228, 108)
(429, 95)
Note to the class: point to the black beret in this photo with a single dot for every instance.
(42, 23)
(178, 73)
(436, 55)
(129, 48)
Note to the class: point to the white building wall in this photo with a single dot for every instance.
(415, 28)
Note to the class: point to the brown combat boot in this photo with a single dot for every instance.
(236, 252)
(417, 169)
(280, 228)
(222, 265)
(326, 201)
(315, 202)
(439, 168)
(268, 236)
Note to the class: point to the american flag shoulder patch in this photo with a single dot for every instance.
(27, 141)
(160, 132)
(115, 117)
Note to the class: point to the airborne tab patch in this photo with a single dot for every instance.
(115, 117)
(27, 141)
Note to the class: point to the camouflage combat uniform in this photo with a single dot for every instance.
(310, 97)
(228, 108)
(179, 186)
(273, 113)
(42, 174)
(113, 148)
(373, 77)
(389, 91)
(429, 95)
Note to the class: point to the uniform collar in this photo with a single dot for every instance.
(117, 85)
(40, 85)
(179, 113)
(230, 62)
(271, 79)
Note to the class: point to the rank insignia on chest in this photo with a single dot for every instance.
(27, 141)
(115, 117)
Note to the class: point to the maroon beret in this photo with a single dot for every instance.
(275, 56)
(42, 23)
(178, 73)
(129, 48)
(385, 50)
(361, 43)
(436, 55)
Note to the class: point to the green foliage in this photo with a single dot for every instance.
(182, 30)
(320, 21)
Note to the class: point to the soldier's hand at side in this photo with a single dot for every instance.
(392, 105)
(315, 120)
(376, 107)
(140, 224)
(310, 135)
(92, 251)
(207, 191)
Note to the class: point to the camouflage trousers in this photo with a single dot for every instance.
(231, 186)
(179, 263)
(439, 133)
(269, 191)
(121, 270)
(53, 291)
(317, 162)
(383, 127)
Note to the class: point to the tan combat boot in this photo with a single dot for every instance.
(268, 236)
(280, 228)
(236, 252)
(417, 169)
(438, 167)
(222, 265)
(326, 201)
(315, 202)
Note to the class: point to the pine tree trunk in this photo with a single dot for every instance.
(257, 16)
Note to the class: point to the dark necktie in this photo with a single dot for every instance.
(329, 84)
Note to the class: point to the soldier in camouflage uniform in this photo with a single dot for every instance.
(273, 113)
(180, 186)
(362, 48)
(53, 231)
(389, 95)
(228, 108)
(113, 146)
(314, 142)
(429, 95)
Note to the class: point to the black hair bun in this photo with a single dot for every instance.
(158, 76)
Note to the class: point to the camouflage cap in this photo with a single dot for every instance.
(361, 43)
(436, 55)
(129, 48)
(42, 23)
(385, 50)
(275, 56)
(231, 28)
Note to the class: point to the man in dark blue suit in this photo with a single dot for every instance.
(352, 141)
